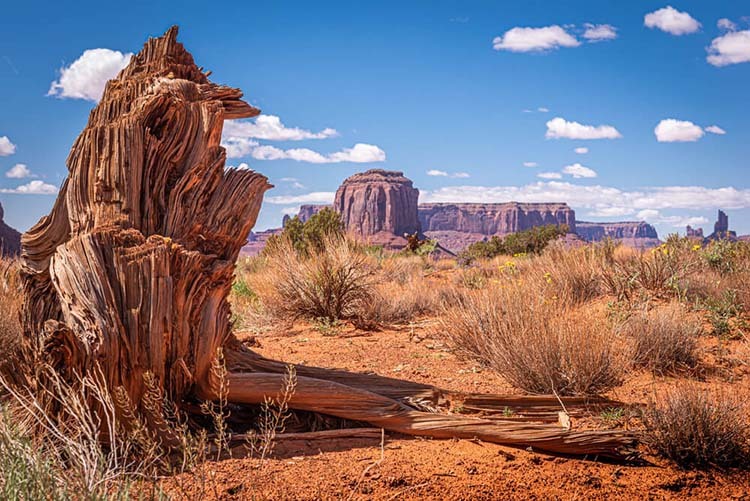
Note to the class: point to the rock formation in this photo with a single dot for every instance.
(10, 239)
(127, 279)
(691, 232)
(721, 228)
(631, 233)
(378, 205)
(308, 211)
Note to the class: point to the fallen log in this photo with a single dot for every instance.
(131, 271)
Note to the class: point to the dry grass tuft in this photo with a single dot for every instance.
(665, 339)
(695, 428)
(11, 298)
(531, 341)
(332, 284)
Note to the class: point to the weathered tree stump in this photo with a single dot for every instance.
(131, 270)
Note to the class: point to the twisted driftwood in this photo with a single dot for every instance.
(131, 270)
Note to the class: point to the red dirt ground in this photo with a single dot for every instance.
(413, 468)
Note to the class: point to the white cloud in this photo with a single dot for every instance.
(442, 173)
(656, 217)
(270, 127)
(671, 130)
(542, 109)
(610, 212)
(726, 24)
(558, 128)
(715, 129)
(293, 181)
(359, 153)
(672, 21)
(317, 197)
(6, 147)
(238, 147)
(86, 77)
(534, 39)
(290, 211)
(530, 164)
(599, 32)
(32, 188)
(582, 150)
(598, 197)
(578, 171)
(19, 171)
(549, 175)
(731, 48)
(242, 166)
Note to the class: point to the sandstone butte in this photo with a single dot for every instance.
(10, 239)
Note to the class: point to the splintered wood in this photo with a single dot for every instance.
(131, 271)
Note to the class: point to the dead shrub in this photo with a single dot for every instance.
(330, 284)
(665, 339)
(572, 276)
(697, 428)
(533, 343)
(11, 297)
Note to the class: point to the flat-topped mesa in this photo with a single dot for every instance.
(630, 233)
(10, 239)
(378, 203)
(493, 218)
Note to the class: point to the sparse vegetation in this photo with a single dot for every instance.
(529, 340)
(665, 339)
(697, 428)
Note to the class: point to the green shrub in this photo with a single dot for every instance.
(310, 236)
(531, 241)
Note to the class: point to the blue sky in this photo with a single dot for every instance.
(457, 94)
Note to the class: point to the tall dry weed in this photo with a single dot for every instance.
(533, 343)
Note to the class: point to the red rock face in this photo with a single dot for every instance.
(494, 219)
(630, 233)
(378, 202)
(10, 239)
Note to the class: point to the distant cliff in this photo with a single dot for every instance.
(631, 233)
(494, 219)
(10, 239)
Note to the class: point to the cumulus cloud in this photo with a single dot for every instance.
(582, 150)
(6, 147)
(530, 164)
(672, 21)
(316, 197)
(359, 153)
(32, 188)
(599, 32)
(597, 197)
(270, 128)
(726, 24)
(731, 48)
(442, 173)
(656, 217)
(671, 130)
(715, 129)
(549, 175)
(534, 39)
(19, 171)
(559, 128)
(86, 77)
(579, 171)
(238, 147)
